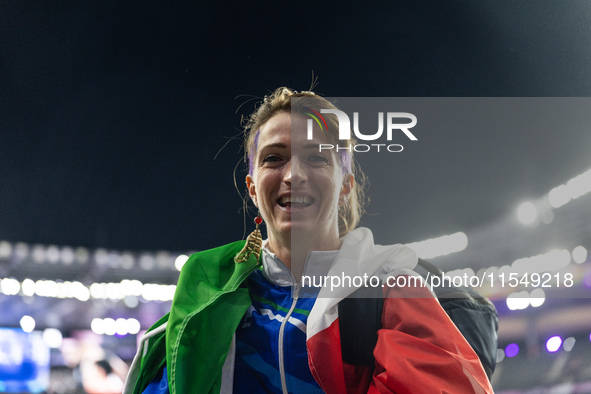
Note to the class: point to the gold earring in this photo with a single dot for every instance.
(345, 208)
(253, 245)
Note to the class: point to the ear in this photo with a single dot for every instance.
(346, 189)
(252, 190)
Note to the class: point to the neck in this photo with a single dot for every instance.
(293, 250)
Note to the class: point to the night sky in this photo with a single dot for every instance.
(118, 119)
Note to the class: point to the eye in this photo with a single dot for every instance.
(271, 159)
(318, 158)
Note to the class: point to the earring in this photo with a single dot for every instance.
(345, 208)
(253, 245)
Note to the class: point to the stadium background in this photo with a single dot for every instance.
(118, 126)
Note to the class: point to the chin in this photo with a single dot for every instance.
(296, 229)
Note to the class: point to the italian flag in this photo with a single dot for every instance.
(419, 349)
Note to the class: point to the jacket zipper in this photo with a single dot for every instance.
(281, 334)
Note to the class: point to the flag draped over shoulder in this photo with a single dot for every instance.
(208, 304)
(418, 350)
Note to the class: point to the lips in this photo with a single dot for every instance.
(295, 201)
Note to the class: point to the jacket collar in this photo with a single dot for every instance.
(317, 264)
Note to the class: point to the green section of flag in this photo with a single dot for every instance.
(206, 311)
(210, 300)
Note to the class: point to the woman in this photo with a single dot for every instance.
(239, 324)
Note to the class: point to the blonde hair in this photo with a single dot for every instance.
(280, 101)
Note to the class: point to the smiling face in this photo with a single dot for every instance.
(297, 188)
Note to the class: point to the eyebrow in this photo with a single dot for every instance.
(311, 146)
(275, 145)
(281, 145)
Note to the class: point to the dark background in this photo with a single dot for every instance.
(114, 116)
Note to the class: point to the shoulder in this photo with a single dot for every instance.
(372, 258)
(211, 270)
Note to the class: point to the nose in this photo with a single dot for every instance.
(295, 173)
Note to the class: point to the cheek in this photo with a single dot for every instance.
(334, 182)
(264, 185)
(331, 189)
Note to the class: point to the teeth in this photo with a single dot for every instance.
(296, 200)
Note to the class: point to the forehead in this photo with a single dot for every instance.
(290, 131)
